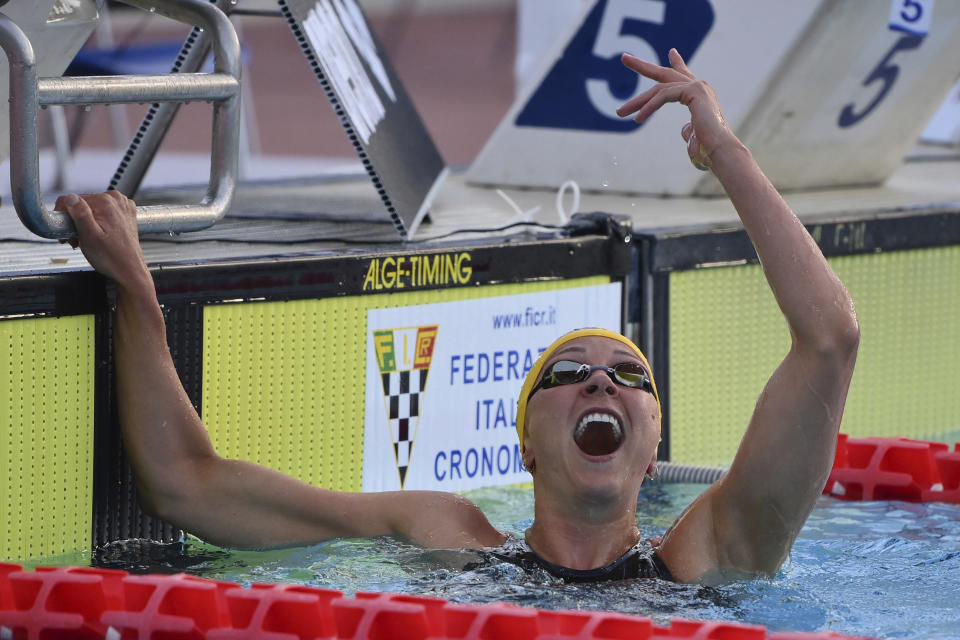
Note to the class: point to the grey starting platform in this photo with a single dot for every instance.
(341, 213)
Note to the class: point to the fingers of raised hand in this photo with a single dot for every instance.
(672, 80)
(649, 101)
(634, 104)
(648, 69)
(677, 70)
(677, 63)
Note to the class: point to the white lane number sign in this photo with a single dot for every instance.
(911, 16)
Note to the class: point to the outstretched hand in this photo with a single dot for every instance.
(106, 233)
(707, 129)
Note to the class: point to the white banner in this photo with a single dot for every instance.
(443, 379)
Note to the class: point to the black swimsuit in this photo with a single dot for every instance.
(640, 561)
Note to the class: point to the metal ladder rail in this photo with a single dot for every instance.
(156, 123)
(221, 88)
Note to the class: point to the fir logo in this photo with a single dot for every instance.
(403, 357)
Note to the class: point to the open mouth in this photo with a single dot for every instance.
(598, 434)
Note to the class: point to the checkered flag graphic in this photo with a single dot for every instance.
(402, 391)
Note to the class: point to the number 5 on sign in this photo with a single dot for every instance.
(911, 16)
(613, 39)
(586, 83)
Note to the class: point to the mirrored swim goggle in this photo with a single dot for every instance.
(626, 374)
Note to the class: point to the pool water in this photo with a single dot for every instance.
(880, 569)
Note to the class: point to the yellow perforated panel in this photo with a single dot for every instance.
(283, 382)
(46, 436)
(727, 336)
(908, 367)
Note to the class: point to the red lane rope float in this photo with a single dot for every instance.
(895, 469)
(78, 602)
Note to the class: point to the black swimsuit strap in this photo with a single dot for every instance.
(640, 561)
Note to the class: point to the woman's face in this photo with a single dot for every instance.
(595, 438)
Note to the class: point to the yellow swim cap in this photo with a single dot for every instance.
(534, 374)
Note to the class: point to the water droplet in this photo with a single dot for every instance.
(615, 162)
(87, 107)
(153, 9)
(605, 183)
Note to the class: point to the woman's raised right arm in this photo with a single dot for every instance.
(179, 475)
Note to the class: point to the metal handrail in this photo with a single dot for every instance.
(158, 118)
(221, 87)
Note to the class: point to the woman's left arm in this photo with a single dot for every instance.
(746, 523)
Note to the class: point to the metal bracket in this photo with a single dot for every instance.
(221, 88)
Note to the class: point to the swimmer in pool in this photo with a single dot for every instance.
(589, 415)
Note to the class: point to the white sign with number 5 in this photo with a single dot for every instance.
(911, 16)
(823, 93)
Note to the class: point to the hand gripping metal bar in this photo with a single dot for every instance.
(221, 87)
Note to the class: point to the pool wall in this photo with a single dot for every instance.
(274, 354)
(712, 328)
(277, 355)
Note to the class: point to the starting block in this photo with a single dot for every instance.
(825, 94)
